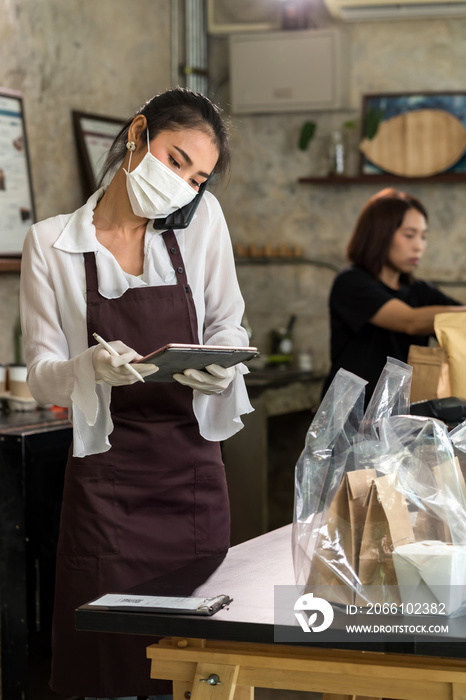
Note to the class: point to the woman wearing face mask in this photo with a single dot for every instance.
(145, 489)
(377, 307)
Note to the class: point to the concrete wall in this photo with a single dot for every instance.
(105, 57)
(109, 56)
(265, 204)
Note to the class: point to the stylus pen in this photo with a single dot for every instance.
(113, 352)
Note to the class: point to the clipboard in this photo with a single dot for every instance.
(163, 604)
(176, 357)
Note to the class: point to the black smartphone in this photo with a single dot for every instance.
(181, 218)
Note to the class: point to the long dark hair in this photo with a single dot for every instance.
(372, 236)
(173, 110)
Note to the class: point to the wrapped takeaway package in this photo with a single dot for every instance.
(431, 572)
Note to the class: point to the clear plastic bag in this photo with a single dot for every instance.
(378, 496)
(321, 465)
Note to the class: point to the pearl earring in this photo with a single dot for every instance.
(131, 146)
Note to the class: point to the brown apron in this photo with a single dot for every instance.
(151, 504)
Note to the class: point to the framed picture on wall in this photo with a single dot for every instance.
(16, 197)
(414, 134)
(94, 136)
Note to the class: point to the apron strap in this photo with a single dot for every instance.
(176, 258)
(171, 243)
(92, 283)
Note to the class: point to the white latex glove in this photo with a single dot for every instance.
(111, 370)
(215, 380)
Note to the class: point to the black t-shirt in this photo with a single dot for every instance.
(357, 345)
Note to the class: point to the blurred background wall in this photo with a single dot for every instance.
(108, 56)
(100, 56)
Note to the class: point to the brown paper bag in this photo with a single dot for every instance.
(431, 378)
(336, 554)
(450, 329)
(387, 525)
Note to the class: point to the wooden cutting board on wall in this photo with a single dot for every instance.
(417, 144)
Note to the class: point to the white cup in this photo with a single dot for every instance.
(17, 380)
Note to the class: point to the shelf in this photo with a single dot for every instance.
(382, 178)
(10, 264)
(276, 260)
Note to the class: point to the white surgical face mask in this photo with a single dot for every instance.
(154, 190)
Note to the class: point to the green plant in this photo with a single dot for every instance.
(306, 135)
(373, 119)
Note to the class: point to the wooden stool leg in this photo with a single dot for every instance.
(332, 696)
(225, 690)
(181, 689)
(243, 692)
(459, 691)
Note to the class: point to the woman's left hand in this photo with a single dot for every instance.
(213, 381)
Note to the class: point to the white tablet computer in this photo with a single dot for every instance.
(176, 357)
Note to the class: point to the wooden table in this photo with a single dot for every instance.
(237, 644)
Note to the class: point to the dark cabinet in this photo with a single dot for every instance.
(33, 452)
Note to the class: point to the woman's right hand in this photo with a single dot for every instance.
(111, 369)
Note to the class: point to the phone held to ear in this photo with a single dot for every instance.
(181, 218)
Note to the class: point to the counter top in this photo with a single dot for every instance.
(277, 387)
(30, 422)
(278, 377)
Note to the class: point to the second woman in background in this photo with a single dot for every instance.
(377, 307)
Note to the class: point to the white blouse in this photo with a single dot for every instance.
(53, 315)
